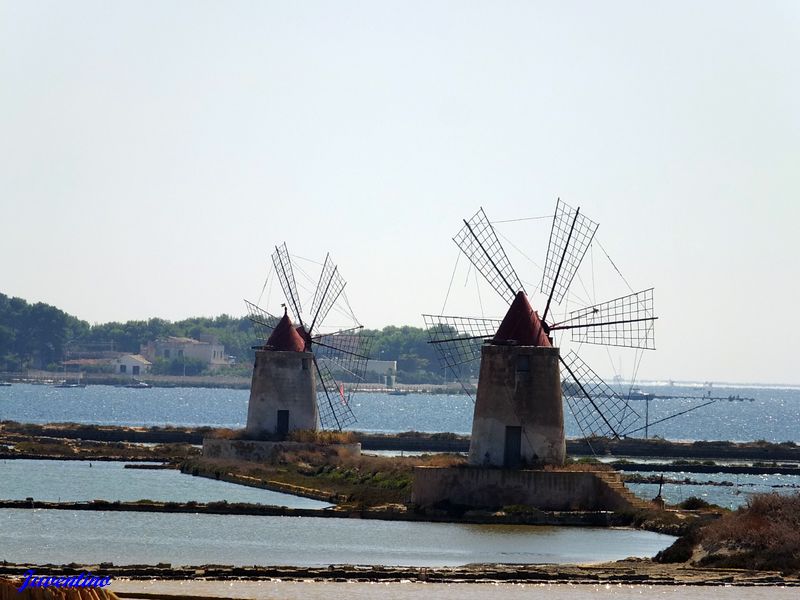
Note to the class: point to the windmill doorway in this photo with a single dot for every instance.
(512, 456)
(283, 422)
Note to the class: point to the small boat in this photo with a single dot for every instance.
(398, 393)
(67, 384)
(5, 384)
(138, 385)
(637, 394)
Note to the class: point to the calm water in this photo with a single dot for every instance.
(52, 480)
(773, 416)
(310, 590)
(727, 496)
(38, 536)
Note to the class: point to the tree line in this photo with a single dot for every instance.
(40, 336)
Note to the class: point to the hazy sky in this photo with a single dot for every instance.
(153, 153)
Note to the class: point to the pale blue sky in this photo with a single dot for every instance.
(153, 153)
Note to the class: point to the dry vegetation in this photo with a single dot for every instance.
(14, 445)
(763, 535)
(304, 436)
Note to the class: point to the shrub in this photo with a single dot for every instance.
(309, 436)
(765, 534)
(693, 503)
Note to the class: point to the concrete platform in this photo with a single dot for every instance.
(550, 490)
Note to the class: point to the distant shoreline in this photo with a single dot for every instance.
(415, 441)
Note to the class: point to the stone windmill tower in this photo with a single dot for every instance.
(299, 372)
(518, 418)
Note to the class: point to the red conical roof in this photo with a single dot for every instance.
(521, 325)
(284, 337)
(301, 331)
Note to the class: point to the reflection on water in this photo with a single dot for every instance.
(39, 536)
(310, 590)
(67, 481)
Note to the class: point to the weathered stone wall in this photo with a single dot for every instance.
(261, 451)
(282, 381)
(494, 488)
(518, 386)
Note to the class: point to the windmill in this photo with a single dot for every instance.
(338, 356)
(626, 321)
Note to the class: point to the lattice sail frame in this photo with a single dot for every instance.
(263, 322)
(628, 321)
(597, 408)
(285, 274)
(333, 405)
(329, 288)
(480, 244)
(458, 342)
(570, 236)
(346, 350)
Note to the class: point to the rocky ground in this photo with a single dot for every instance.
(629, 571)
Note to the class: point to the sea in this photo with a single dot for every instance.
(745, 413)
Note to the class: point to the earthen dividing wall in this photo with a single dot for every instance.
(258, 451)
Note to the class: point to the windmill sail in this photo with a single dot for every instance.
(570, 237)
(329, 288)
(597, 408)
(285, 274)
(458, 342)
(628, 321)
(263, 322)
(479, 242)
(346, 351)
(332, 403)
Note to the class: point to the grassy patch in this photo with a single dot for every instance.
(361, 482)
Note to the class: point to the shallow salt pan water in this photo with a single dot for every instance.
(91, 537)
(76, 481)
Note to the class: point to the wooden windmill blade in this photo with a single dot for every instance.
(570, 236)
(285, 274)
(479, 242)
(329, 288)
(628, 321)
(263, 322)
(332, 403)
(458, 342)
(597, 408)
